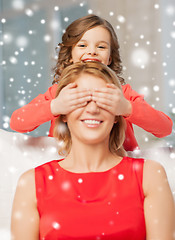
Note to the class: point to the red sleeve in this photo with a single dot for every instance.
(145, 116)
(35, 113)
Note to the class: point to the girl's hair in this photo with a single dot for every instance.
(74, 33)
(69, 75)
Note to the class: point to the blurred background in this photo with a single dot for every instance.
(29, 33)
(31, 29)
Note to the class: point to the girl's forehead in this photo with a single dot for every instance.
(98, 32)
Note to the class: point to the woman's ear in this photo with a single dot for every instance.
(116, 119)
(64, 118)
(71, 61)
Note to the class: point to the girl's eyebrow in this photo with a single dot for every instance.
(83, 40)
(101, 41)
(104, 42)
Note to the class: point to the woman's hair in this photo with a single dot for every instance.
(74, 33)
(69, 75)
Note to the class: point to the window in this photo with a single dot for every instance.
(30, 31)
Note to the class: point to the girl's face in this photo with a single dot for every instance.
(95, 45)
(90, 124)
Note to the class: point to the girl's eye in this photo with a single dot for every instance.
(81, 45)
(103, 47)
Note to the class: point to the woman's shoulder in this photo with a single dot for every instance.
(27, 178)
(25, 190)
(154, 176)
(152, 167)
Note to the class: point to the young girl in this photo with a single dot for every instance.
(92, 38)
(95, 192)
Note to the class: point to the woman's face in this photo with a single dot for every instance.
(95, 45)
(90, 124)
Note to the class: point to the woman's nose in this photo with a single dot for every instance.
(92, 108)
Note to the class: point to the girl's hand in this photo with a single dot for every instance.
(70, 98)
(112, 100)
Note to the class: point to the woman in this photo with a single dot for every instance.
(96, 191)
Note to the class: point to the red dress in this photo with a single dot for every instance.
(91, 206)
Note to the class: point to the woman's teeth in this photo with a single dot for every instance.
(92, 121)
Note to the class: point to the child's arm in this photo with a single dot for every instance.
(35, 113)
(134, 108)
(145, 116)
(45, 107)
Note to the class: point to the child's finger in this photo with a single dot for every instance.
(105, 107)
(81, 100)
(102, 100)
(78, 105)
(103, 90)
(111, 85)
(105, 95)
(80, 94)
(80, 90)
(71, 85)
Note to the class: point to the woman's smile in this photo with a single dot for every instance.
(92, 123)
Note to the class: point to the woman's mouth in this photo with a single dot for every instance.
(92, 122)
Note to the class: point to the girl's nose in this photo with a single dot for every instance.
(92, 50)
(92, 108)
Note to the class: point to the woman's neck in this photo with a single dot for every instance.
(90, 158)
